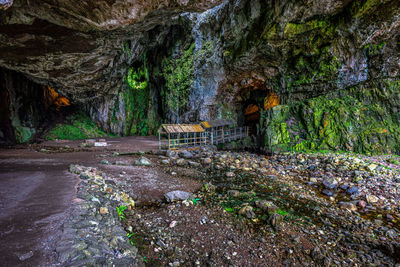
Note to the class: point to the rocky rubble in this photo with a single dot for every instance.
(270, 196)
(93, 235)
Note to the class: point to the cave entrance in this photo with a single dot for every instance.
(255, 96)
(26, 107)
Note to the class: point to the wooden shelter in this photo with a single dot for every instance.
(182, 135)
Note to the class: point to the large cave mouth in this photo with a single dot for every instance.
(27, 108)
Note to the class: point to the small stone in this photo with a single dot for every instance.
(194, 164)
(173, 224)
(247, 211)
(171, 154)
(181, 162)
(330, 183)
(347, 205)
(165, 161)
(391, 233)
(362, 204)
(143, 161)
(313, 180)
(26, 256)
(206, 161)
(230, 174)
(105, 162)
(371, 198)
(372, 167)
(103, 210)
(352, 190)
(327, 192)
(186, 154)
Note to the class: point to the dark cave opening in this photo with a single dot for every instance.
(26, 108)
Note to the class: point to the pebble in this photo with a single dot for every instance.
(103, 210)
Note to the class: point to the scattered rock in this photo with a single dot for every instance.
(347, 205)
(171, 154)
(143, 161)
(230, 174)
(26, 256)
(247, 211)
(372, 167)
(165, 161)
(371, 199)
(181, 162)
(206, 161)
(330, 183)
(177, 195)
(352, 190)
(186, 154)
(267, 206)
(103, 210)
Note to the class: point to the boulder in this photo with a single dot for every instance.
(177, 195)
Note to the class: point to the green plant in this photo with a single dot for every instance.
(282, 212)
(195, 200)
(120, 211)
(144, 259)
(130, 235)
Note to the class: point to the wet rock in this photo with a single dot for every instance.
(177, 195)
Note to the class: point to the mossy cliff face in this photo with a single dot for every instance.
(333, 64)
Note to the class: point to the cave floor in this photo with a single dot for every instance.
(36, 192)
(327, 209)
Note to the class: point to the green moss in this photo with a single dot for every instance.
(367, 8)
(136, 102)
(293, 29)
(24, 134)
(374, 49)
(77, 127)
(178, 73)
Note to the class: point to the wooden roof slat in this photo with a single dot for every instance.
(183, 128)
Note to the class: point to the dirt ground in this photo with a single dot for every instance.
(36, 191)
